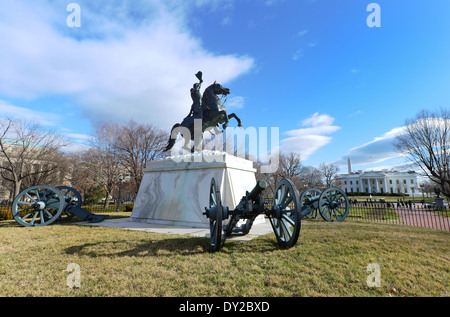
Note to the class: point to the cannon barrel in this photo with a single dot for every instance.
(253, 195)
(257, 190)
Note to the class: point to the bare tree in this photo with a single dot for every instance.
(329, 173)
(311, 177)
(104, 159)
(428, 188)
(425, 141)
(290, 166)
(138, 144)
(28, 151)
(84, 177)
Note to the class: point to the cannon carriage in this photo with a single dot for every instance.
(42, 205)
(285, 213)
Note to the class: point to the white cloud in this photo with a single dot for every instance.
(318, 120)
(129, 60)
(378, 150)
(43, 118)
(381, 150)
(236, 102)
(270, 3)
(307, 141)
(298, 54)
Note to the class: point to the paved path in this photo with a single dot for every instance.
(420, 218)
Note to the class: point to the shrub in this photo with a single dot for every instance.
(5, 213)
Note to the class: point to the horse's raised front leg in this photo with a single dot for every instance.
(233, 115)
(226, 119)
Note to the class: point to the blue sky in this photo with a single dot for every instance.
(334, 86)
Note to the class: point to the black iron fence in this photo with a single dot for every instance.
(410, 214)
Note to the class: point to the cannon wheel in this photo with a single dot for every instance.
(37, 206)
(309, 208)
(333, 205)
(72, 198)
(286, 218)
(215, 222)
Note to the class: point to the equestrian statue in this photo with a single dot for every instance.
(208, 108)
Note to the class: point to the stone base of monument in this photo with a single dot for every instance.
(175, 190)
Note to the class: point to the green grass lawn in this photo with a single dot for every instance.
(330, 259)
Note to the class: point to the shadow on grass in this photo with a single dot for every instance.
(168, 247)
(142, 248)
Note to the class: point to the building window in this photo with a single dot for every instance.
(392, 190)
(351, 183)
(381, 182)
(404, 181)
(345, 182)
(390, 181)
(357, 182)
(412, 181)
(397, 181)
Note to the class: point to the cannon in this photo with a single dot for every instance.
(285, 214)
(332, 204)
(42, 205)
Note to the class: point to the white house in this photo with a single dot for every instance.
(379, 181)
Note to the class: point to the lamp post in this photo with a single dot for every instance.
(412, 191)
(422, 187)
(118, 198)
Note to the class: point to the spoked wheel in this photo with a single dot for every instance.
(309, 202)
(38, 206)
(215, 216)
(285, 218)
(72, 198)
(333, 205)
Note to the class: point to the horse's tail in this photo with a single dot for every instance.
(171, 142)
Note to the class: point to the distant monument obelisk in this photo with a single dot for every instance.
(349, 162)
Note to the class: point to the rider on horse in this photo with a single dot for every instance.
(196, 95)
(207, 107)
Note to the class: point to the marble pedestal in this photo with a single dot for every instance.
(175, 190)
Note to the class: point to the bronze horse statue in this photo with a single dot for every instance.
(213, 114)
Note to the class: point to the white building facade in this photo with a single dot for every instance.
(384, 181)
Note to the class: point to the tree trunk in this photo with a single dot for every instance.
(17, 185)
(106, 204)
